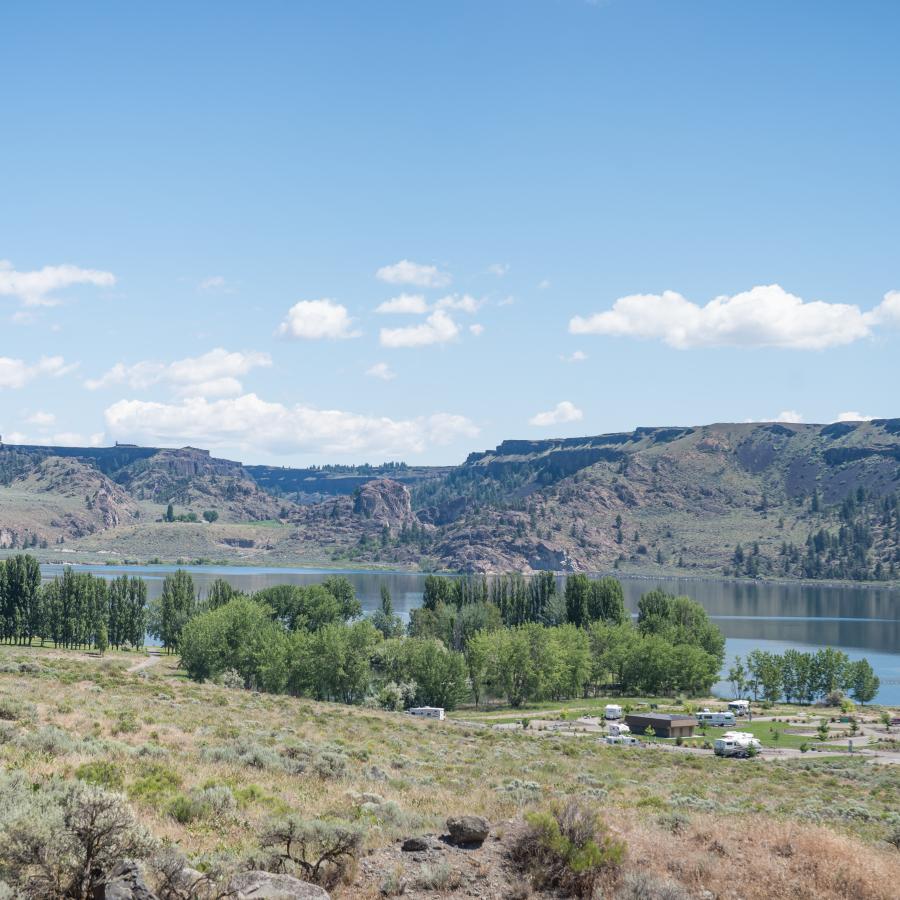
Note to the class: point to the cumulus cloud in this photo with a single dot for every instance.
(564, 411)
(464, 303)
(407, 272)
(35, 288)
(381, 370)
(853, 416)
(789, 417)
(405, 304)
(438, 328)
(575, 356)
(41, 419)
(315, 319)
(477, 329)
(544, 284)
(251, 423)
(74, 439)
(214, 374)
(765, 316)
(16, 373)
(498, 269)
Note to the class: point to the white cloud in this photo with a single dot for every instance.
(464, 303)
(438, 328)
(543, 285)
(16, 373)
(564, 411)
(406, 304)
(765, 316)
(213, 283)
(36, 287)
(74, 439)
(381, 370)
(41, 419)
(406, 272)
(315, 319)
(477, 329)
(790, 417)
(498, 269)
(575, 356)
(506, 301)
(248, 422)
(16, 437)
(214, 374)
(853, 416)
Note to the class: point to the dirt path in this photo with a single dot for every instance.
(151, 660)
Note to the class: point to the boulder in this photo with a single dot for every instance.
(468, 830)
(125, 882)
(414, 845)
(253, 885)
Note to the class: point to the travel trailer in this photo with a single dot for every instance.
(428, 712)
(736, 743)
(622, 740)
(617, 728)
(612, 711)
(740, 707)
(716, 719)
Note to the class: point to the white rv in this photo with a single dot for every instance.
(622, 740)
(428, 712)
(736, 743)
(716, 719)
(618, 728)
(613, 711)
(740, 707)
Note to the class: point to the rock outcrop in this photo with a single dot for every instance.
(386, 502)
(267, 886)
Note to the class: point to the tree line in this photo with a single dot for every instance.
(803, 677)
(75, 609)
(511, 637)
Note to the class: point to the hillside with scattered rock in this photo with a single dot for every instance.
(751, 499)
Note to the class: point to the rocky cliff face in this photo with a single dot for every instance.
(386, 502)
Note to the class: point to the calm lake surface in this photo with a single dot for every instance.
(862, 621)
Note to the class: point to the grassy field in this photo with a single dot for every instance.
(206, 768)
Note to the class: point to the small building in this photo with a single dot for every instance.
(428, 712)
(665, 725)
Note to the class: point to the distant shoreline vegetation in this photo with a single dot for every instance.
(513, 637)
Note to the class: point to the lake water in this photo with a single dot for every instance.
(862, 621)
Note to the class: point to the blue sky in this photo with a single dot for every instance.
(202, 207)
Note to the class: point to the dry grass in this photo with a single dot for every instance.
(809, 828)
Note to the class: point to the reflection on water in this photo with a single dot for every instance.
(859, 620)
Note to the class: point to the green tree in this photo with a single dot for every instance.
(577, 594)
(210, 515)
(170, 513)
(384, 619)
(175, 608)
(862, 681)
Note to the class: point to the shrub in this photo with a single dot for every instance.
(13, 710)
(232, 679)
(644, 886)
(102, 773)
(48, 741)
(63, 838)
(322, 850)
(567, 848)
(438, 877)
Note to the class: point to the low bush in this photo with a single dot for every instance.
(323, 852)
(62, 838)
(567, 848)
(102, 773)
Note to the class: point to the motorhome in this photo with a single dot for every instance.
(736, 743)
(612, 711)
(740, 707)
(618, 728)
(716, 719)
